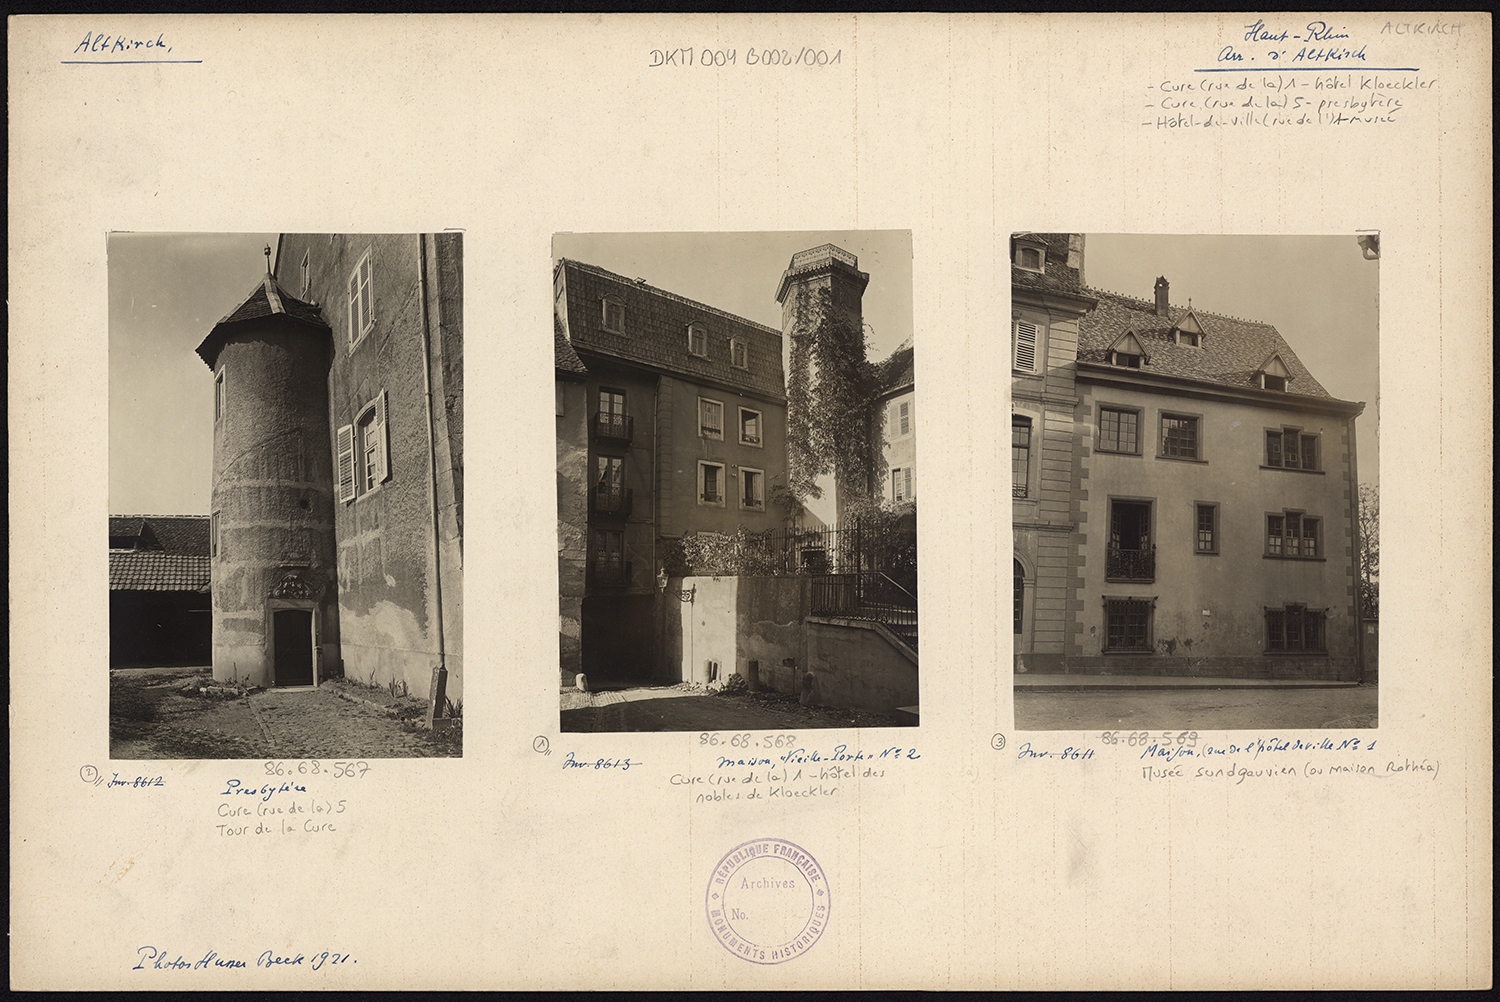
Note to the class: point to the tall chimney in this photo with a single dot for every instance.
(1161, 296)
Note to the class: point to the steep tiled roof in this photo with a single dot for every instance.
(1058, 276)
(185, 535)
(267, 299)
(656, 331)
(1231, 354)
(157, 571)
(897, 371)
(563, 355)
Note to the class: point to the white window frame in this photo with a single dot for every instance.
(739, 354)
(760, 425)
(1041, 255)
(697, 332)
(759, 503)
(604, 305)
(357, 476)
(1025, 344)
(903, 484)
(360, 299)
(220, 395)
(699, 491)
(701, 423)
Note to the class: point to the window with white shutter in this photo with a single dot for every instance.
(361, 301)
(1024, 336)
(346, 463)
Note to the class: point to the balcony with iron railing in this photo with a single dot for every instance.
(608, 501)
(613, 428)
(1130, 565)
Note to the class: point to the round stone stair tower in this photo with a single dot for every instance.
(274, 571)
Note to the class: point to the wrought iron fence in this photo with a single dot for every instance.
(867, 595)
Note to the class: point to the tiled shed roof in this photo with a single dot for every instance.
(563, 355)
(656, 331)
(897, 371)
(1232, 351)
(267, 299)
(156, 571)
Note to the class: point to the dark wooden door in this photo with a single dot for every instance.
(293, 629)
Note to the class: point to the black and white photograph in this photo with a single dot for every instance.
(737, 481)
(1195, 481)
(285, 495)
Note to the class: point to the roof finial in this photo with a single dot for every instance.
(268, 259)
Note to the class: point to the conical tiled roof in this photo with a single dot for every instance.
(267, 299)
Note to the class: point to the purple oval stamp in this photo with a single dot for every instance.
(767, 901)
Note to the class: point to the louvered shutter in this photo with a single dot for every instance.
(366, 302)
(1025, 334)
(346, 463)
(383, 440)
(353, 308)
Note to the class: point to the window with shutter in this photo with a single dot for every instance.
(361, 301)
(346, 463)
(1024, 337)
(710, 418)
(905, 417)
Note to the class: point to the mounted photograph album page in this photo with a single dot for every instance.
(335, 666)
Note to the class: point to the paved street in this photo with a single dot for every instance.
(687, 708)
(1199, 708)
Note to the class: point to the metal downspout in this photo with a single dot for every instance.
(438, 693)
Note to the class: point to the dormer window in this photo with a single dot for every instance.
(697, 338)
(1274, 375)
(739, 355)
(1030, 254)
(613, 318)
(1188, 331)
(1127, 351)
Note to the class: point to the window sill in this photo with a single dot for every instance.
(1206, 553)
(1293, 469)
(1284, 556)
(1033, 373)
(751, 445)
(1150, 580)
(1112, 452)
(1182, 459)
(1283, 654)
(1126, 650)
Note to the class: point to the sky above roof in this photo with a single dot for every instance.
(1319, 293)
(738, 272)
(166, 292)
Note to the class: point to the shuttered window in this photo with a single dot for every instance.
(364, 451)
(1024, 337)
(361, 301)
(346, 463)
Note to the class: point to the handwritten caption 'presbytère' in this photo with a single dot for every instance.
(284, 804)
(1314, 74)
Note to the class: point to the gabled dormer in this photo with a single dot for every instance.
(1273, 374)
(1028, 252)
(1188, 331)
(1127, 351)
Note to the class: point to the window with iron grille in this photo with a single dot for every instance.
(1020, 455)
(1179, 436)
(1290, 449)
(612, 421)
(1296, 629)
(711, 484)
(609, 556)
(710, 418)
(1293, 535)
(1206, 539)
(1119, 430)
(1024, 336)
(1128, 625)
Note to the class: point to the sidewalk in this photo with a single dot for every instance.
(1038, 682)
